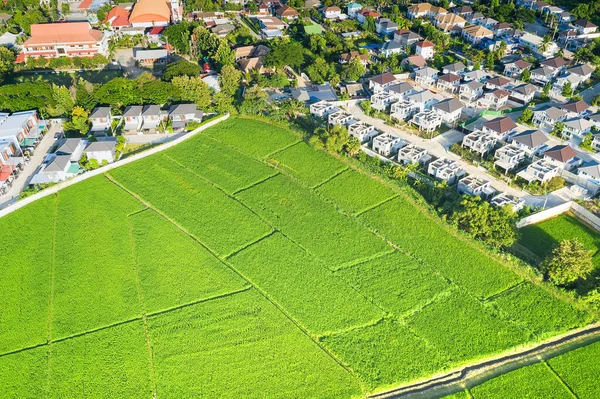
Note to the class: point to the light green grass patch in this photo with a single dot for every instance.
(395, 282)
(312, 167)
(303, 286)
(224, 166)
(23, 374)
(173, 268)
(408, 227)
(465, 329)
(110, 363)
(310, 222)
(94, 275)
(241, 346)
(539, 311)
(218, 221)
(25, 264)
(354, 192)
(255, 138)
(386, 354)
(580, 370)
(532, 382)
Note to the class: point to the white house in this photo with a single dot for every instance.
(577, 127)
(584, 27)
(562, 155)
(102, 150)
(425, 49)
(182, 114)
(504, 199)
(422, 100)
(101, 119)
(446, 170)
(151, 117)
(386, 144)
(523, 94)
(516, 68)
(540, 171)
(536, 44)
(545, 119)
(426, 76)
(495, 99)
(332, 12)
(362, 131)
(381, 82)
(502, 128)
(449, 109)
(475, 33)
(412, 154)
(391, 47)
(448, 83)
(533, 142)
(380, 101)
(472, 185)
(509, 157)
(322, 109)
(471, 91)
(427, 120)
(132, 118)
(479, 142)
(340, 118)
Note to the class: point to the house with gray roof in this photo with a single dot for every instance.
(132, 118)
(391, 47)
(542, 75)
(523, 94)
(72, 146)
(102, 150)
(101, 119)
(152, 116)
(577, 127)
(401, 90)
(426, 76)
(182, 114)
(470, 91)
(449, 109)
(546, 118)
(422, 99)
(55, 169)
(533, 142)
(590, 171)
(455, 68)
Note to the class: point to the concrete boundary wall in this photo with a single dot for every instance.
(56, 188)
(586, 216)
(579, 211)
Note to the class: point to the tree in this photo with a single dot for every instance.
(178, 36)
(369, 25)
(193, 89)
(7, 62)
(180, 68)
(286, 53)
(79, 120)
(336, 139)
(526, 75)
(224, 55)
(352, 147)
(596, 100)
(229, 80)
(63, 99)
(252, 7)
(526, 116)
(567, 263)
(558, 129)
(320, 71)
(157, 92)
(353, 70)
(567, 89)
(206, 42)
(118, 92)
(366, 107)
(546, 41)
(489, 61)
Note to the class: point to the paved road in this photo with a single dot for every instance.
(590, 93)
(36, 160)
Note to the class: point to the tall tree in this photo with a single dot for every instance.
(567, 263)
(229, 80)
(193, 89)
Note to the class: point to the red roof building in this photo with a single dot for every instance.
(117, 17)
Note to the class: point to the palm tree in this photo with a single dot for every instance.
(545, 44)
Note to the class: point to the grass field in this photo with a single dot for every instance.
(244, 263)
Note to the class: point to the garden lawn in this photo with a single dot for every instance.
(580, 370)
(395, 282)
(354, 192)
(314, 225)
(218, 221)
(94, 275)
(465, 329)
(224, 166)
(312, 167)
(253, 137)
(304, 286)
(241, 346)
(25, 275)
(532, 382)
(386, 354)
(110, 363)
(173, 268)
(408, 227)
(23, 374)
(539, 311)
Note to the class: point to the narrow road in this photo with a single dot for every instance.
(475, 374)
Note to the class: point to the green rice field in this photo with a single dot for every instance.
(243, 263)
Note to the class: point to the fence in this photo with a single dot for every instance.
(579, 211)
(580, 181)
(491, 112)
(54, 189)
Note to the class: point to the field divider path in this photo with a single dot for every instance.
(562, 382)
(271, 154)
(367, 209)
(258, 289)
(330, 178)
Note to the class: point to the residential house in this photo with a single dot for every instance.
(380, 82)
(117, 18)
(475, 34)
(504, 199)
(425, 10)
(402, 110)
(446, 170)
(314, 94)
(449, 109)
(414, 62)
(406, 37)
(271, 27)
(365, 13)
(502, 29)
(457, 68)
(464, 11)
(596, 142)
(479, 142)
(498, 83)
(390, 48)
(222, 30)
(348, 57)
(331, 12)
(340, 118)
(101, 119)
(448, 83)
(502, 128)
(322, 109)
(556, 64)
(353, 9)
(422, 99)
(427, 120)
(533, 142)
(362, 131)
(22, 130)
(411, 154)
(380, 101)
(385, 26)
(540, 171)
(509, 157)
(516, 68)
(562, 155)
(425, 49)
(590, 171)
(545, 119)
(542, 75)
(475, 75)
(102, 150)
(132, 117)
(426, 76)
(472, 185)
(72, 146)
(575, 76)
(495, 99)
(151, 57)
(584, 27)
(475, 17)
(471, 91)
(523, 94)
(151, 117)
(575, 108)
(536, 44)
(486, 22)
(286, 12)
(576, 127)
(181, 115)
(55, 169)
(386, 144)
(401, 90)
(450, 22)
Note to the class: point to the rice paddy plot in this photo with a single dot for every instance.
(229, 169)
(241, 346)
(307, 220)
(94, 276)
(411, 230)
(312, 167)
(304, 286)
(25, 265)
(174, 269)
(253, 137)
(386, 354)
(580, 369)
(395, 282)
(218, 221)
(532, 382)
(110, 363)
(23, 374)
(354, 192)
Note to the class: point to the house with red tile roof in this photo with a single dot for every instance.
(117, 18)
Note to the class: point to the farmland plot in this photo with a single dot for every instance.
(219, 163)
(25, 274)
(408, 227)
(310, 166)
(304, 286)
(354, 192)
(23, 374)
(314, 225)
(110, 363)
(173, 268)
(218, 221)
(94, 277)
(241, 346)
(580, 369)
(252, 137)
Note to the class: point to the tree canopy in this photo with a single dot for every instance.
(567, 263)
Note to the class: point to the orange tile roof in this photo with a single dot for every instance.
(66, 32)
(85, 4)
(147, 11)
(117, 16)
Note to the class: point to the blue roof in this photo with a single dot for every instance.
(354, 5)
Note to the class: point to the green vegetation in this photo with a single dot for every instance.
(23, 374)
(579, 369)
